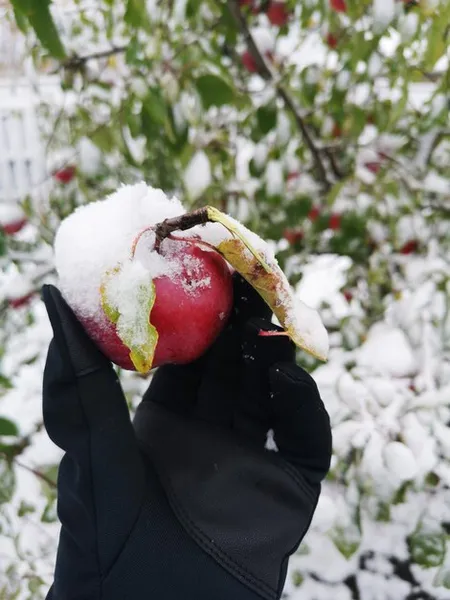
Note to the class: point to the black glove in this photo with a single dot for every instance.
(188, 503)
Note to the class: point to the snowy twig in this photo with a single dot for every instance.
(78, 61)
(266, 74)
(181, 223)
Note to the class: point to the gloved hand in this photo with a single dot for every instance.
(186, 502)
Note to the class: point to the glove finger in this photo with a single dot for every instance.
(220, 380)
(77, 349)
(176, 387)
(301, 425)
(247, 302)
(254, 413)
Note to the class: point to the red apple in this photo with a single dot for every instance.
(373, 166)
(314, 213)
(20, 301)
(348, 295)
(332, 41)
(65, 175)
(249, 62)
(338, 5)
(292, 176)
(336, 131)
(410, 247)
(334, 222)
(278, 13)
(14, 226)
(189, 312)
(293, 236)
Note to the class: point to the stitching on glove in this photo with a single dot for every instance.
(260, 586)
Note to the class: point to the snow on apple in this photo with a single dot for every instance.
(149, 300)
(186, 288)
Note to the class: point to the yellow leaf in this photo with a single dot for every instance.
(130, 314)
(274, 288)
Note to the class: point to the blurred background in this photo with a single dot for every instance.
(323, 125)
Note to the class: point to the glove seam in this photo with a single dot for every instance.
(217, 553)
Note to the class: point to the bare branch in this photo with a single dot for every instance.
(76, 62)
(42, 476)
(266, 74)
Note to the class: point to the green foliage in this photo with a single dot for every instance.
(214, 91)
(428, 546)
(8, 427)
(38, 14)
(329, 153)
(7, 481)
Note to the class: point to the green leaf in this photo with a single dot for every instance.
(3, 246)
(41, 20)
(437, 43)
(347, 540)
(427, 547)
(154, 107)
(442, 577)
(214, 91)
(131, 317)
(267, 117)
(104, 138)
(136, 14)
(7, 481)
(5, 383)
(49, 514)
(25, 509)
(21, 20)
(8, 427)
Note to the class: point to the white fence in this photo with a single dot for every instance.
(22, 160)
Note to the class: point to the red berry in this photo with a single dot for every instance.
(373, 166)
(14, 226)
(293, 236)
(314, 213)
(336, 131)
(332, 40)
(348, 295)
(22, 301)
(249, 62)
(338, 5)
(292, 176)
(65, 175)
(277, 13)
(334, 222)
(410, 247)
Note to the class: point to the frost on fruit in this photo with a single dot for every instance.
(301, 324)
(127, 298)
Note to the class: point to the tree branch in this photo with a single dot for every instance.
(37, 473)
(266, 74)
(78, 61)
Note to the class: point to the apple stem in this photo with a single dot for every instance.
(136, 241)
(263, 333)
(181, 223)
